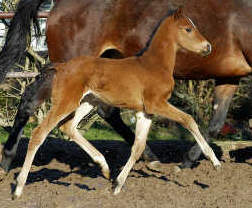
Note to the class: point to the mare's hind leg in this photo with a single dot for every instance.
(223, 97)
(55, 115)
(112, 116)
(70, 128)
(170, 112)
(34, 95)
(142, 128)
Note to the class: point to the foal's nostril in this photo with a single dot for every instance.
(209, 48)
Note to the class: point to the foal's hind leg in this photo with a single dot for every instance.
(34, 95)
(55, 115)
(142, 128)
(167, 110)
(113, 117)
(70, 128)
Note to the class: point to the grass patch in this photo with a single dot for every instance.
(100, 131)
(3, 135)
(104, 132)
(101, 134)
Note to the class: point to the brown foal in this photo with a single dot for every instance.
(142, 83)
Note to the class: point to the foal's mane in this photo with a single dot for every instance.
(168, 14)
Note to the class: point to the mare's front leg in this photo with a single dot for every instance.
(34, 95)
(142, 129)
(223, 95)
(167, 110)
(112, 116)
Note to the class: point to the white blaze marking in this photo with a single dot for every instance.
(191, 22)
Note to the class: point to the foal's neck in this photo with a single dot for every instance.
(161, 54)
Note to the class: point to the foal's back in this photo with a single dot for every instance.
(115, 81)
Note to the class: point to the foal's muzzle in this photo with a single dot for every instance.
(207, 50)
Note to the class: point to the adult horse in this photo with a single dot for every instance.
(121, 28)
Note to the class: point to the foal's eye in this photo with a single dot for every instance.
(188, 30)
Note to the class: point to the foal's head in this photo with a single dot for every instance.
(187, 35)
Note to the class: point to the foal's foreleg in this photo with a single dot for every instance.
(38, 136)
(70, 128)
(223, 96)
(142, 128)
(170, 112)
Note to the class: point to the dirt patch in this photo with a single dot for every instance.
(64, 176)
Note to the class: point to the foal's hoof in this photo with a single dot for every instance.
(216, 163)
(116, 187)
(106, 174)
(15, 196)
(17, 193)
(217, 167)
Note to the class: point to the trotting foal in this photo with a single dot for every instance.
(142, 83)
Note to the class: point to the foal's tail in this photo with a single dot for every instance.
(19, 34)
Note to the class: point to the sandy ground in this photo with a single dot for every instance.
(63, 176)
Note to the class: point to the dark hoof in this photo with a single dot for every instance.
(188, 164)
(148, 155)
(14, 197)
(6, 161)
(5, 164)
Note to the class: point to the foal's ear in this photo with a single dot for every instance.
(179, 13)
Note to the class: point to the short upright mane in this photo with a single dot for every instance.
(168, 14)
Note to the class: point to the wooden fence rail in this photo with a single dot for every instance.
(9, 15)
(21, 74)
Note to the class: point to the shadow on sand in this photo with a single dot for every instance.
(115, 152)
